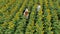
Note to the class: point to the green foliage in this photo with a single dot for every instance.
(45, 21)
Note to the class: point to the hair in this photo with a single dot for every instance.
(26, 7)
(38, 3)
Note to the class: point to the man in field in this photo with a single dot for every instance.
(38, 7)
(26, 13)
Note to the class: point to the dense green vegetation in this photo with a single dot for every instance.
(45, 21)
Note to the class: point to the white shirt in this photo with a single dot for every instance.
(38, 7)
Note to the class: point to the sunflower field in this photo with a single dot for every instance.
(45, 21)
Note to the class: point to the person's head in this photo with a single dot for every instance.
(26, 7)
(38, 3)
(26, 10)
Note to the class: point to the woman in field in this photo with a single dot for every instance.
(26, 13)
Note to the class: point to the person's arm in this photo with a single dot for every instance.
(24, 13)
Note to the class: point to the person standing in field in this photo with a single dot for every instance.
(26, 13)
(38, 7)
